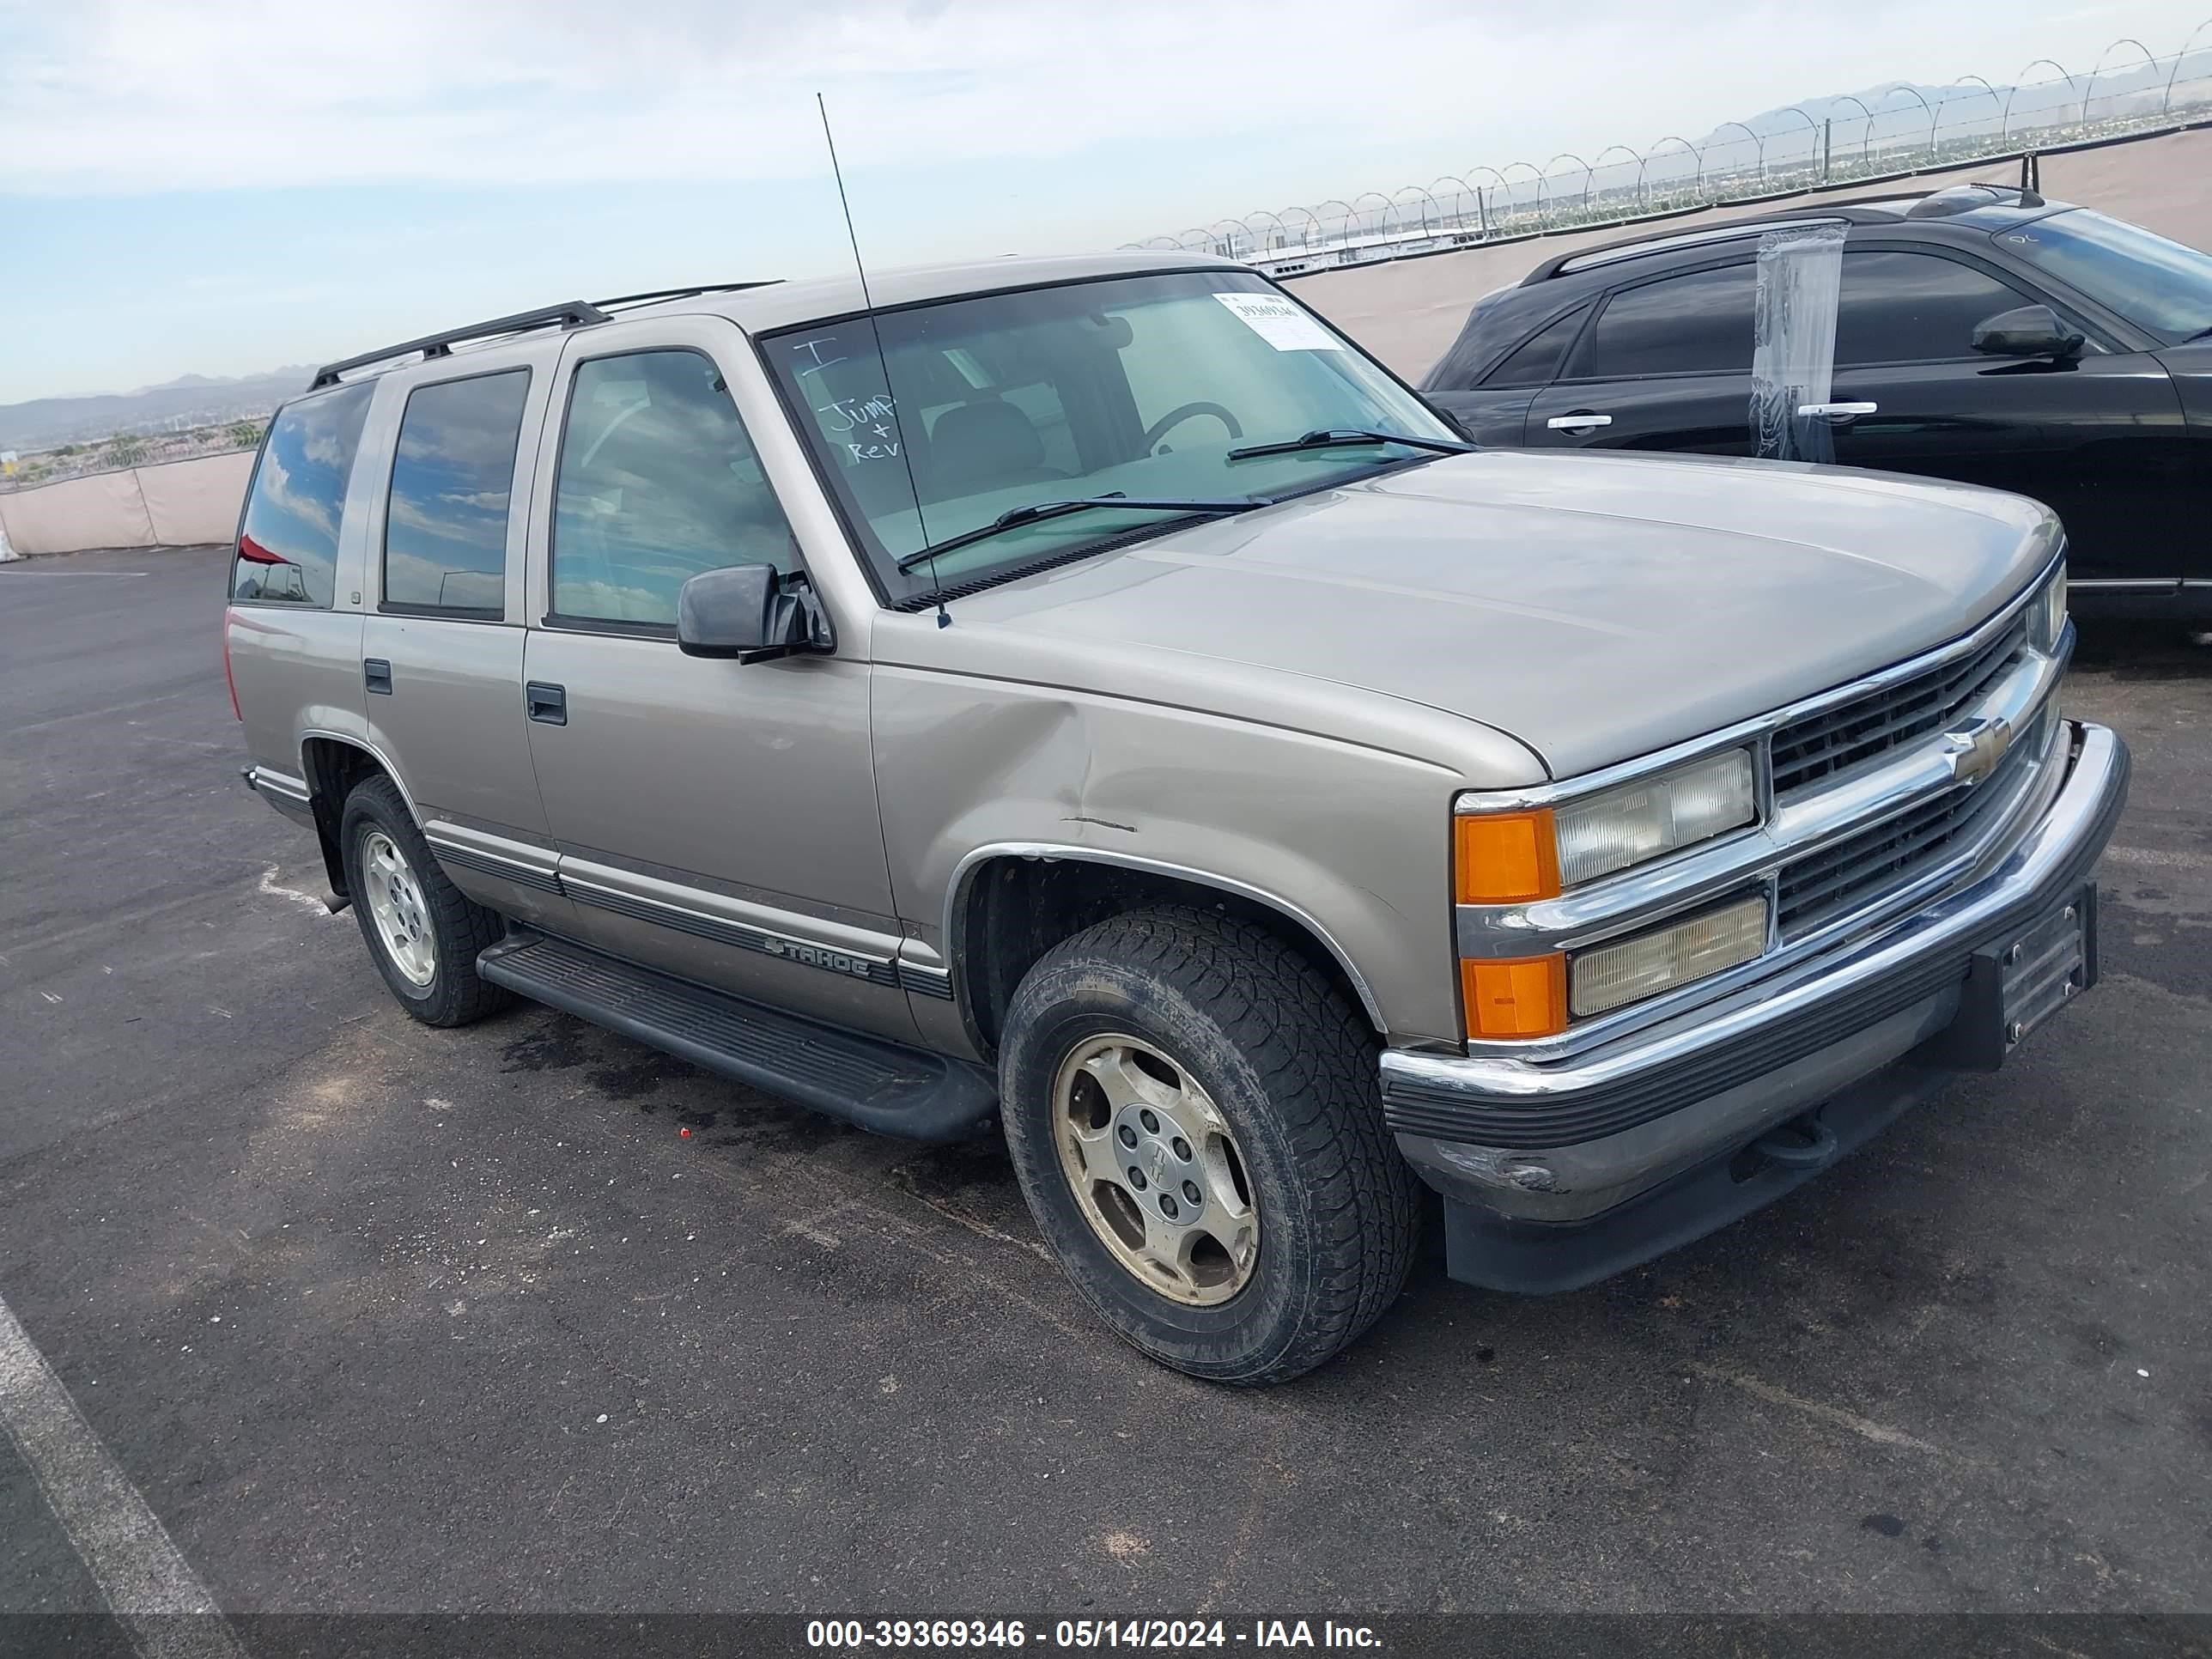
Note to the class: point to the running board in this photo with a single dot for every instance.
(880, 1085)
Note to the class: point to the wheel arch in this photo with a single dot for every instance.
(1010, 902)
(333, 763)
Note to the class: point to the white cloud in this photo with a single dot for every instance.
(112, 95)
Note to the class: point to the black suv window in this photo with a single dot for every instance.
(445, 528)
(1699, 323)
(1537, 360)
(658, 482)
(1900, 307)
(288, 547)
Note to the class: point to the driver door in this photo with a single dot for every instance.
(713, 819)
(2100, 440)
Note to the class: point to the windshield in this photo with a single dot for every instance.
(2161, 286)
(1137, 386)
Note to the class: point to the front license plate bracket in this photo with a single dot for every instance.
(2015, 985)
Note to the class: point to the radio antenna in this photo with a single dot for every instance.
(883, 362)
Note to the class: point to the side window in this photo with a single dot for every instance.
(658, 482)
(1537, 359)
(288, 547)
(1913, 308)
(1697, 323)
(445, 527)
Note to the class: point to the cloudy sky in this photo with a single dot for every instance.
(225, 185)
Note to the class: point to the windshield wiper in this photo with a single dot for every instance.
(1038, 510)
(1333, 437)
(2200, 334)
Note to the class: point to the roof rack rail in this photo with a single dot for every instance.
(624, 301)
(571, 313)
(1663, 241)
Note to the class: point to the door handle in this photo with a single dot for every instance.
(1577, 424)
(1838, 411)
(548, 704)
(376, 675)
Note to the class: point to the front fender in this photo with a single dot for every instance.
(1353, 842)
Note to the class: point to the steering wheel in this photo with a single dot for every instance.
(1176, 417)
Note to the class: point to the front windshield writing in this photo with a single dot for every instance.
(1137, 386)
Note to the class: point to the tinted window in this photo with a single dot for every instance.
(445, 532)
(658, 482)
(289, 543)
(1538, 358)
(2155, 284)
(1913, 308)
(1697, 323)
(1142, 385)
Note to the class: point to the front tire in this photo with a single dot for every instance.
(1194, 1115)
(423, 933)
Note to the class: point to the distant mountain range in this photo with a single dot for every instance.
(188, 401)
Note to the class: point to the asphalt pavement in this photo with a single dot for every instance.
(375, 1317)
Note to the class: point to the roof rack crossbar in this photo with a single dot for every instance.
(570, 314)
(658, 294)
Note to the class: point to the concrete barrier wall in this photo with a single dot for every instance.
(1407, 312)
(172, 505)
(196, 501)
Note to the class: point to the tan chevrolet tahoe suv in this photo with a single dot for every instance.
(1091, 696)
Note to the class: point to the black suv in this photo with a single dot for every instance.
(1982, 333)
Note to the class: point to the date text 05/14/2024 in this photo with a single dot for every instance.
(856, 1635)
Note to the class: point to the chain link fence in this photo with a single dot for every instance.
(2128, 91)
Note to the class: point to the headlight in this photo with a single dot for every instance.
(1654, 816)
(2046, 612)
(1513, 858)
(1612, 976)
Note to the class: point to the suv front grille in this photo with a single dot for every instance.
(1808, 750)
(1860, 868)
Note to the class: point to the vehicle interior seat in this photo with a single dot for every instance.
(988, 444)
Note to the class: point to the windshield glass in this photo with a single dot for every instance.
(1139, 386)
(2161, 286)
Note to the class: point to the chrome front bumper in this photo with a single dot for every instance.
(1562, 1143)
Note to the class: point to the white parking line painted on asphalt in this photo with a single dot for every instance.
(144, 1579)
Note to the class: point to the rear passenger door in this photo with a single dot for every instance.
(1666, 364)
(1495, 410)
(441, 648)
(715, 819)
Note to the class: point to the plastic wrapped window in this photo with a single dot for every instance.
(1793, 362)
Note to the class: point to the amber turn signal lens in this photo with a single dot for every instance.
(1505, 858)
(1514, 996)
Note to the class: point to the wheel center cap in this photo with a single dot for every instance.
(1159, 1166)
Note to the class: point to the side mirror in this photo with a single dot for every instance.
(742, 612)
(2027, 331)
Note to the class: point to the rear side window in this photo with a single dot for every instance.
(1901, 308)
(1697, 323)
(445, 529)
(288, 547)
(658, 482)
(1537, 360)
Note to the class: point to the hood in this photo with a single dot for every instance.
(1596, 606)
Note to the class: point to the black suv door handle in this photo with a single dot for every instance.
(376, 675)
(547, 704)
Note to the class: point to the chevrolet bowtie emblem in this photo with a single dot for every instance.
(1975, 748)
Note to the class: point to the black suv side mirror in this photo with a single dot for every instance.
(2027, 331)
(744, 611)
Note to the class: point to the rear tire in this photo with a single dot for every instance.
(423, 933)
(1171, 1052)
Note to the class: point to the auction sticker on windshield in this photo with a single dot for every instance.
(1280, 323)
